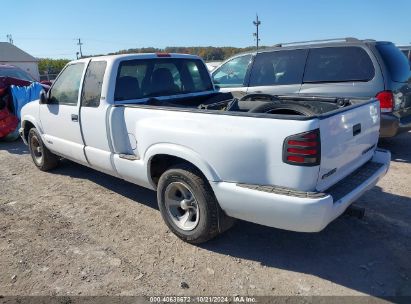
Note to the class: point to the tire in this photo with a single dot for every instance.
(204, 217)
(283, 108)
(42, 157)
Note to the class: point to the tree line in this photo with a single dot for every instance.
(51, 66)
(209, 53)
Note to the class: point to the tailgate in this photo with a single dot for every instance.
(348, 140)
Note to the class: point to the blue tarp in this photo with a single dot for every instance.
(23, 95)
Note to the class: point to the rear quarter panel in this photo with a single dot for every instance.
(237, 148)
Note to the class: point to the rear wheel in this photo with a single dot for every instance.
(42, 157)
(188, 205)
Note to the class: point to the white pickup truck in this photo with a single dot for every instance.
(156, 120)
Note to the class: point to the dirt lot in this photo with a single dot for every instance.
(77, 231)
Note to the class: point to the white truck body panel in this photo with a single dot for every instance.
(344, 151)
(252, 141)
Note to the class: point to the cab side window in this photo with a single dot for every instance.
(93, 82)
(65, 89)
(233, 72)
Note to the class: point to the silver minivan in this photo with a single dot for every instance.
(339, 68)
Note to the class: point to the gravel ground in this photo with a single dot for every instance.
(77, 231)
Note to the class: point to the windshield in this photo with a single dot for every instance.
(15, 73)
(144, 78)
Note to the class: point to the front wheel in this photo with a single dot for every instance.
(188, 205)
(42, 157)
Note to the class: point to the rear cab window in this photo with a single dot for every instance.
(397, 64)
(338, 64)
(278, 68)
(145, 78)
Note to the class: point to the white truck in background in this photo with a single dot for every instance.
(155, 120)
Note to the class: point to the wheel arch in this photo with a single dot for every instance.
(160, 157)
(26, 124)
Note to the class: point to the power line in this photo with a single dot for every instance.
(79, 43)
(10, 38)
(256, 34)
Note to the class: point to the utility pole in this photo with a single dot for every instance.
(79, 43)
(9, 38)
(256, 34)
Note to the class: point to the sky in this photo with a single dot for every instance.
(50, 28)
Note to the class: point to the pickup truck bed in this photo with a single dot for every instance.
(273, 160)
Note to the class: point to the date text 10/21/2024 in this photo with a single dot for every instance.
(203, 299)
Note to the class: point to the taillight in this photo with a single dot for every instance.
(386, 99)
(303, 149)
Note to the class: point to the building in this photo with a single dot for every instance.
(12, 55)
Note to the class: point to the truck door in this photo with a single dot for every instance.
(60, 118)
(94, 120)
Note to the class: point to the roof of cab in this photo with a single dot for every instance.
(122, 57)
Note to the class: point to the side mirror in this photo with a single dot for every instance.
(44, 99)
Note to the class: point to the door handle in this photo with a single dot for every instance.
(356, 129)
(74, 117)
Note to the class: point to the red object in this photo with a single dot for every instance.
(302, 143)
(386, 99)
(8, 123)
(303, 149)
(5, 82)
(295, 159)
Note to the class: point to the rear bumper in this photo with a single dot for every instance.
(294, 210)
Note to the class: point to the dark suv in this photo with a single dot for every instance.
(340, 68)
